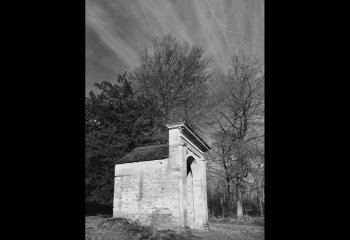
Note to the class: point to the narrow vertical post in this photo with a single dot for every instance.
(204, 193)
(176, 169)
(183, 183)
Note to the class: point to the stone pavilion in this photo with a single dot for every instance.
(164, 185)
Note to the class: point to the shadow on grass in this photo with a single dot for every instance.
(94, 209)
(100, 227)
(246, 220)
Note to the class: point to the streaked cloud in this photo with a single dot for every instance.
(116, 30)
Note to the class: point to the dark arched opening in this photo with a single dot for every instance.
(189, 162)
(192, 191)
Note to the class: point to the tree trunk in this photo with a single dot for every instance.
(212, 209)
(239, 203)
(229, 202)
(222, 208)
(261, 207)
(213, 212)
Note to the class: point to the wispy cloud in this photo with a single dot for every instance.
(103, 25)
(123, 28)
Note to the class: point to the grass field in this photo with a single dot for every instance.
(107, 228)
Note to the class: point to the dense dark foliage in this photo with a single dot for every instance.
(117, 120)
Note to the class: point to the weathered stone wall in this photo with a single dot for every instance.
(147, 191)
(180, 149)
(160, 193)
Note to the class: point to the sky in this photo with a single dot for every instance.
(117, 30)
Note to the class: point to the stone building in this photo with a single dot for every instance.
(164, 185)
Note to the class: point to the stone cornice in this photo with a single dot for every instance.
(192, 135)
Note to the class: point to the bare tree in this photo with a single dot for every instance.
(258, 178)
(239, 118)
(219, 164)
(235, 172)
(176, 75)
(216, 194)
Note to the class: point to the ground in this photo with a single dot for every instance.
(228, 231)
(105, 228)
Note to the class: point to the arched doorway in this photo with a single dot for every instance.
(190, 206)
(194, 197)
